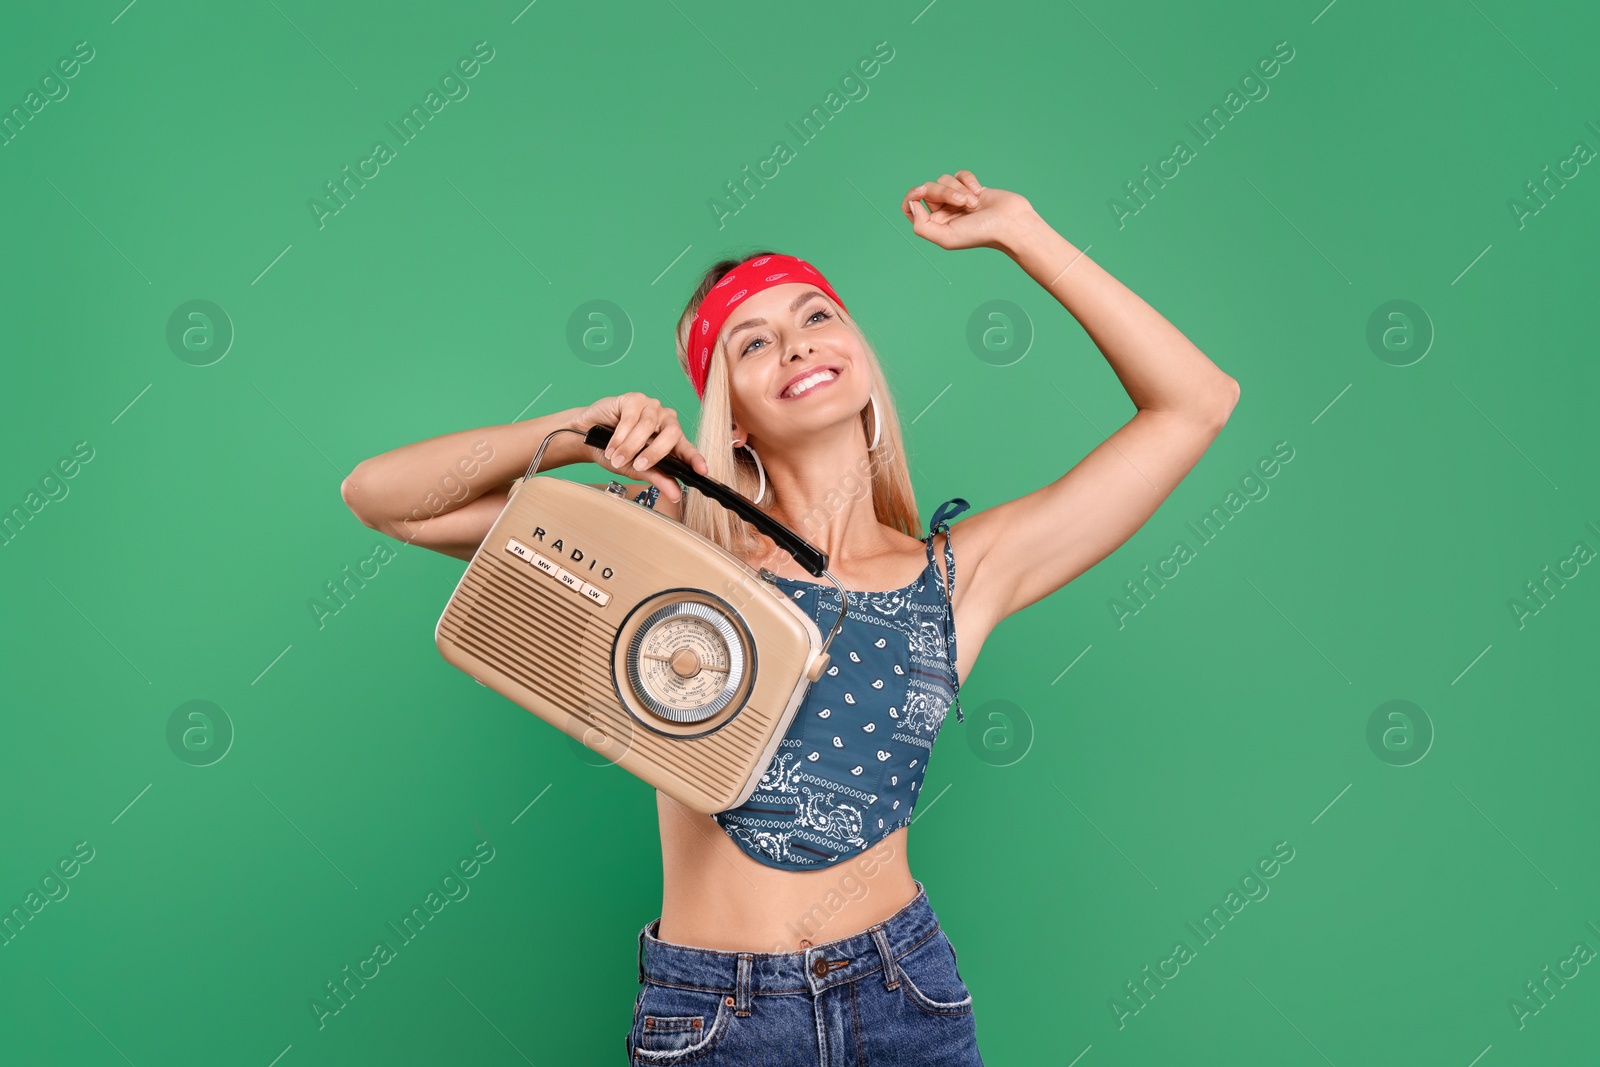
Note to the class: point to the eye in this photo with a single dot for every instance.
(824, 312)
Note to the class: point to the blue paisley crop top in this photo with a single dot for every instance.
(850, 767)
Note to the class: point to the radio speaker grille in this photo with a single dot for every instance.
(534, 633)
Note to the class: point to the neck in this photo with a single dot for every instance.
(824, 489)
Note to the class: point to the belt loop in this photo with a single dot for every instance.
(891, 970)
(642, 931)
(741, 1002)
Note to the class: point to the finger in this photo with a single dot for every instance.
(640, 423)
(701, 465)
(663, 442)
(627, 415)
(958, 191)
(633, 444)
(928, 226)
(939, 195)
(913, 196)
(922, 224)
(656, 423)
(624, 426)
(690, 455)
(700, 462)
(970, 180)
(915, 212)
(932, 192)
(630, 436)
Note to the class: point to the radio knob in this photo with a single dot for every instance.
(617, 487)
(818, 665)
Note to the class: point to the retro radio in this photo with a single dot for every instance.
(631, 633)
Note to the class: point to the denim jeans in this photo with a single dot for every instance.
(889, 996)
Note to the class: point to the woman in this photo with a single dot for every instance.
(792, 930)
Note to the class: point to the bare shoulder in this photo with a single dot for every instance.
(971, 540)
(976, 604)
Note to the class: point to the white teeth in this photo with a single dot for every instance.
(806, 383)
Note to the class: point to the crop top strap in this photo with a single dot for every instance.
(941, 521)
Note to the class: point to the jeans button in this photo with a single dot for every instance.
(820, 967)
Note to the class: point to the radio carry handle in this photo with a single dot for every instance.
(804, 553)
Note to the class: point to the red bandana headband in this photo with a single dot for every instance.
(736, 286)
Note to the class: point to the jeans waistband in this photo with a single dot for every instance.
(811, 970)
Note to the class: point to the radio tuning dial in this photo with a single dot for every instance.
(686, 661)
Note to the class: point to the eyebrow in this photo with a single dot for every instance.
(793, 307)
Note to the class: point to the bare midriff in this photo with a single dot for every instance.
(715, 896)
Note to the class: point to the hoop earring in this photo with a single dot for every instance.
(762, 490)
(877, 425)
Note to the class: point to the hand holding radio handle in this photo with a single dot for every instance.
(806, 554)
(643, 431)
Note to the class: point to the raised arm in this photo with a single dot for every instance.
(1025, 549)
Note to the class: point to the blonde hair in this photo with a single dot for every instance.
(885, 472)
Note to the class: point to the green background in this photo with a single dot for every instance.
(1079, 825)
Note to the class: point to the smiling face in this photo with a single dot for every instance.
(795, 364)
